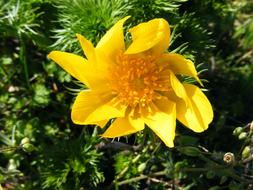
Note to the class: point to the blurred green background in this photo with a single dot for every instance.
(40, 148)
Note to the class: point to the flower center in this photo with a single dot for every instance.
(137, 80)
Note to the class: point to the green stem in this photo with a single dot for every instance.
(165, 172)
(11, 148)
(122, 173)
(4, 71)
(141, 177)
(22, 58)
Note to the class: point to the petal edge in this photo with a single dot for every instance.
(153, 35)
(73, 64)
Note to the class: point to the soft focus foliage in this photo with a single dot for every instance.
(35, 98)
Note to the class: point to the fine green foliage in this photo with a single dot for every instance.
(89, 18)
(18, 18)
(73, 164)
(42, 149)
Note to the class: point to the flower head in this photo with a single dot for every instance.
(137, 85)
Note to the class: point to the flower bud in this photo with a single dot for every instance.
(229, 158)
(251, 127)
(28, 147)
(12, 165)
(242, 136)
(24, 141)
(141, 167)
(246, 152)
(237, 131)
(190, 151)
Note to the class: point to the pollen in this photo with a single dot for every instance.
(137, 80)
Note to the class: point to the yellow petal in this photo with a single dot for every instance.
(179, 65)
(199, 113)
(97, 59)
(113, 41)
(124, 126)
(178, 87)
(90, 108)
(163, 122)
(102, 123)
(75, 65)
(79, 68)
(153, 35)
(87, 47)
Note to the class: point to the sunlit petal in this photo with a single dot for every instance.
(113, 41)
(102, 123)
(163, 121)
(179, 65)
(199, 113)
(75, 65)
(90, 108)
(178, 87)
(124, 126)
(153, 35)
(98, 61)
(87, 47)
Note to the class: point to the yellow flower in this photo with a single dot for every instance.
(138, 85)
